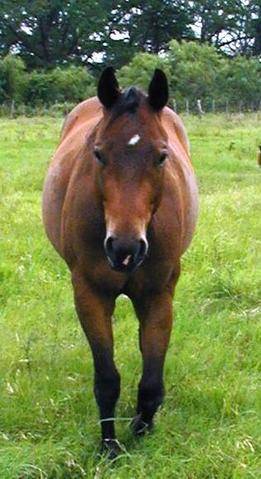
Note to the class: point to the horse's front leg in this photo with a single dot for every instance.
(95, 311)
(155, 315)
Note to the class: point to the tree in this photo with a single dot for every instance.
(233, 26)
(12, 79)
(46, 33)
(49, 33)
(253, 27)
(198, 71)
(194, 70)
(239, 80)
(151, 25)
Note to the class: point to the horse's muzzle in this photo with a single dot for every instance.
(125, 255)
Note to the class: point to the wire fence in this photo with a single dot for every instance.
(211, 105)
(185, 106)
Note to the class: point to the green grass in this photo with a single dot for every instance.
(208, 427)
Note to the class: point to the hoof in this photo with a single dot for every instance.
(140, 427)
(111, 448)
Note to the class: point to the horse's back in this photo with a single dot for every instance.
(78, 124)
(82, 114)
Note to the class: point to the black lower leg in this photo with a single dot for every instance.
(151, 391)
(155, 315)
(150, 396)
(107, 390)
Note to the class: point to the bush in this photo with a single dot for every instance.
(197, 71)
(194, 70)
(140, 70)
(240, 80)
(72, 84)
(12, 79)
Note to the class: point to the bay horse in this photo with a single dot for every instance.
(120, 207)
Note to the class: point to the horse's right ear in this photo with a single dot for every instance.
(108, 88)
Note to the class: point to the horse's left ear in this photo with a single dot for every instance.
(158, 92)
(108, 88)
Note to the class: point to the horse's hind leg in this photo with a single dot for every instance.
(155, 316)
(95, 311)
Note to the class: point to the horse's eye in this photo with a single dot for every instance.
(162, 158)
(99, 156)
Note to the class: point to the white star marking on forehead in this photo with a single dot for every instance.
(134, 140)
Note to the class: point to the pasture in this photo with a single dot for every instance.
(208, 426)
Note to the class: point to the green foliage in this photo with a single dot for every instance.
(151, 25)
(12, 78)
(240, 79)
(140, 70)
(197, 71)
(60, 85)
(46, 34)
(72, 84)
(209, 425)
(194, 69)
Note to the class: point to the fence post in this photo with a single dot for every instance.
(12, 108)
(213, 106)
(226, 106)
(175, 106)
(199, 107)
(187, 106)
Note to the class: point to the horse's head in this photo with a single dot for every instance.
(130, 149)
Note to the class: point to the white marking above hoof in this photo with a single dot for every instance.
(134, 140)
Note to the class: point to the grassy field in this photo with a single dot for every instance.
(208, 426)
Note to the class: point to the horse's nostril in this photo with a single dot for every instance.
(143, 248)
(125, 253)
(108, 245)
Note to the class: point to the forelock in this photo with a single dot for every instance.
(128, 102)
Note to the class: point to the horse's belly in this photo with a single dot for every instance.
(57, 180)
(54, 193)
(52, 204)
(182, 198)
(190, 210)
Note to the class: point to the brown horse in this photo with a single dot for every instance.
(120, 207)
